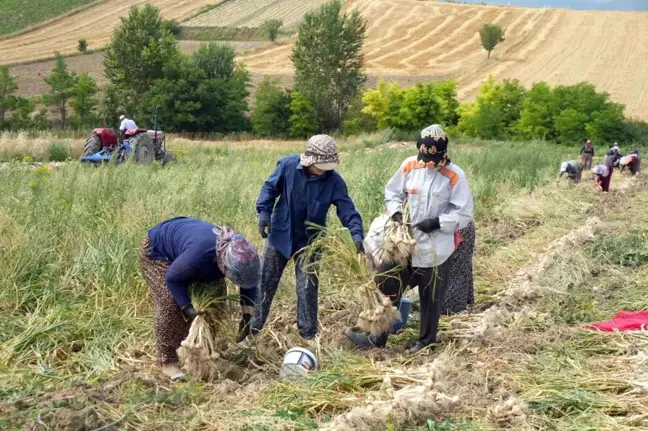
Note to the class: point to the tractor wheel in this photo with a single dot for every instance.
(143, 151)
(92, 146)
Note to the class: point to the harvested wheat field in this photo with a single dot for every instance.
(409, 37)
(95, 24)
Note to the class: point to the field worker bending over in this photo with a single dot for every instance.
(613, 156)
(632, 161)
(181, 251)
(306, 186)
(602, 176)
(125, 124)
(573, 169)
(587, 154)
(440, 203)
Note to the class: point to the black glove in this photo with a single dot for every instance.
(428, 225)
(190, 313)
(264, 228)
(244, 327)
(359, 247)
(398, 217)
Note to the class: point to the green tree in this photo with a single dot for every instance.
(82, 45)
(61, 83)
(83, 100)
(536, 117)
(383, 103)
(272, 112)
(420, 108)
(570, 125)
(491, 35)
(215, 59)
(304, 120)
(189, 101)
(8, 87)
(22, 112)
(328, 61)
(111, 104)
(271, 28)
(139, 50)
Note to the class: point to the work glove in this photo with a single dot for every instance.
(264, 228)
(398, 217)
(190, 313)
(360, 247)
(244, 327)
(428, 225)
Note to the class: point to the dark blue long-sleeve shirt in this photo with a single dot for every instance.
(190, 245)
(303, 198)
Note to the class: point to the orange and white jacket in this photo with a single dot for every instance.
(431, 192)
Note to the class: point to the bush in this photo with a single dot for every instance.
(58, 152)
(272, 112)
(356, 121)
(304, 120)
(271, 28)
(82, 46)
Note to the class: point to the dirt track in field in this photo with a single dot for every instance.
(95, 24)
(410, 37)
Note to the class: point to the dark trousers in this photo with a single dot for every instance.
(432, 284)
(272, 268)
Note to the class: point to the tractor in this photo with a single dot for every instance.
(142, 145)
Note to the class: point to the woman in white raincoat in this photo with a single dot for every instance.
(440, 203)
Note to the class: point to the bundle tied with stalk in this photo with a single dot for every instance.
(334, 254)
(200, 351)
(398, 244)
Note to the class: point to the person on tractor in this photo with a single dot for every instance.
(125, 125)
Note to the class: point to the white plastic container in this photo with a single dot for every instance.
(298, 362)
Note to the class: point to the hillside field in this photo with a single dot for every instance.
(76, 339)
(15, 15)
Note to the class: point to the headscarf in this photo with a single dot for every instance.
(321, 151)
(237, 258)
(433, 146)
(601, 170)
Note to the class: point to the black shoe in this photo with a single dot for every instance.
(364, 340)
(418, 347)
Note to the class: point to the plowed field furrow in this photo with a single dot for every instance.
(94, 24)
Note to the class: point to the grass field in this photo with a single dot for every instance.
(76, 341)
(15, 15)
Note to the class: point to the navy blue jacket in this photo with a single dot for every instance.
(303, 198)
(190, 246)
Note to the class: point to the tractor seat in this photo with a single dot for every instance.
(133, 132)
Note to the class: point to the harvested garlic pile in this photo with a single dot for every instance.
(508, 414)
(378, 314)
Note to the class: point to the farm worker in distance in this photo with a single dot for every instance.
(125, 125)
(602, 176)
(573, 169)
(632, 161)
(440, 203)
(182, 251)
(306, 186)
(587, 154)
(613, 156)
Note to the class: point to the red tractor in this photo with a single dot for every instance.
(142, 145)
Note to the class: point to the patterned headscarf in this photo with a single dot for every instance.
(433, 146)
(601, 170)
(237, 257)
(320, 150)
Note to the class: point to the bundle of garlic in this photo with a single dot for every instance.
(399, 243)
(198, 352)
(378, 314)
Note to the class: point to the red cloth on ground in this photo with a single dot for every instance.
(624, 321)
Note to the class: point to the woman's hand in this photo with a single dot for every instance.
(244, 327)
(190, 313)
(428, 225)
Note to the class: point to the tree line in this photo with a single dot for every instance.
(207, 91)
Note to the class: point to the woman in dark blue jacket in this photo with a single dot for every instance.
(306, 186)
(182, 251)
